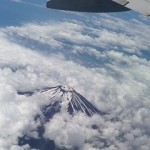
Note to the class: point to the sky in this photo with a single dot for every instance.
(105, 57)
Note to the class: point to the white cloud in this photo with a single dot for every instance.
(119, 87)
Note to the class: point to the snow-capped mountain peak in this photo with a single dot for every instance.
(64, 99)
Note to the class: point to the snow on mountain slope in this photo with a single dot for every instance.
(64, 98)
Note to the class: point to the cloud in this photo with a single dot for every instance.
(117, 82)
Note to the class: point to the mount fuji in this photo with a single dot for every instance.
(61, 99)
(64, 98)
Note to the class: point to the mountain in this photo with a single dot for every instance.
(61, 99)
(64, 98)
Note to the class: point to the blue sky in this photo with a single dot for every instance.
(16, 13)
(104, 57)
(34, 10)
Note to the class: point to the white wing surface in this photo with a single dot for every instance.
(141, 6)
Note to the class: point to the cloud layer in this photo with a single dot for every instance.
(102, 57)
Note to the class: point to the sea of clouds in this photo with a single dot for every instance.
(104, 58)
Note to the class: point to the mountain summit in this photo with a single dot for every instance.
(64, 98)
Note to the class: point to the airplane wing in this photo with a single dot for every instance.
(86, 5)
(141, 6)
